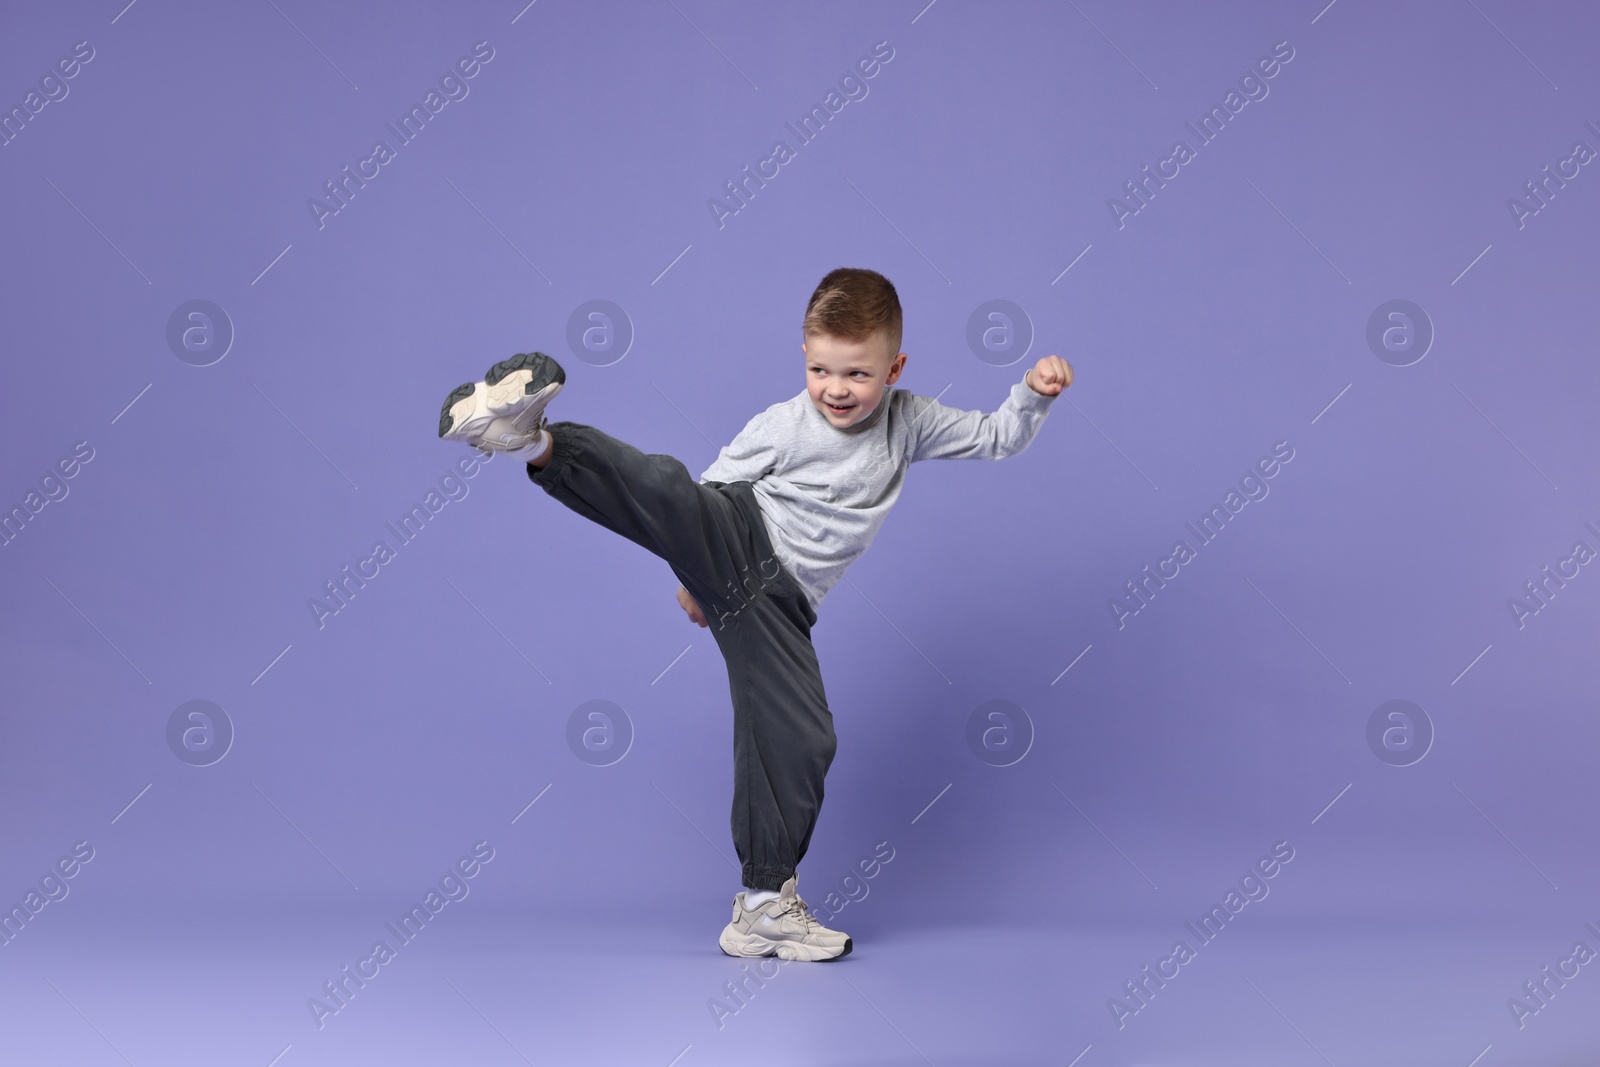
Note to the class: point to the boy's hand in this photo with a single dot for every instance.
(696, 616)
(1049, 376)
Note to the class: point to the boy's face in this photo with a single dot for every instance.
(846, 378)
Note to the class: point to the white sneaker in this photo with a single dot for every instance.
(784, 928)
(505, 411)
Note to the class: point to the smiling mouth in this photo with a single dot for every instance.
(837, 409)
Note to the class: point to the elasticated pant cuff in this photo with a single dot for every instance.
(771, 878)
(561, 449)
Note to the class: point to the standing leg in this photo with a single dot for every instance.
(783, 737)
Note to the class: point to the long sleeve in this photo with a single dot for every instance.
(941, 432)
(747, 457)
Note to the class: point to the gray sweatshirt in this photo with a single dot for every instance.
(825, 490)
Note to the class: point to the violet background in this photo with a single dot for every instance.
(1229, 314)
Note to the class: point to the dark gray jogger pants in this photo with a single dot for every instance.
(715, 540)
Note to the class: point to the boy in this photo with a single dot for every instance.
(758, 541)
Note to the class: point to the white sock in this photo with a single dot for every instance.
(754, 898)
(534, 449)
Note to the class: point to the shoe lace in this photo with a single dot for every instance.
(797, 908)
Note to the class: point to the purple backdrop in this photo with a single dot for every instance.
(1337, 345)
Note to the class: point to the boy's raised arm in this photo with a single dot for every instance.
(941, 432)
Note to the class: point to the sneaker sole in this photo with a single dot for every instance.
(751, 946)
(520, 388)
(523, 381)
(449, 417)
(523, 375)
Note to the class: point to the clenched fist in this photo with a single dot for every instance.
(1049, 376)
(696, 616)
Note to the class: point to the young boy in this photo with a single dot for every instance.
(757, 542)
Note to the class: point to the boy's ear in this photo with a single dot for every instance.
(895, 369)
